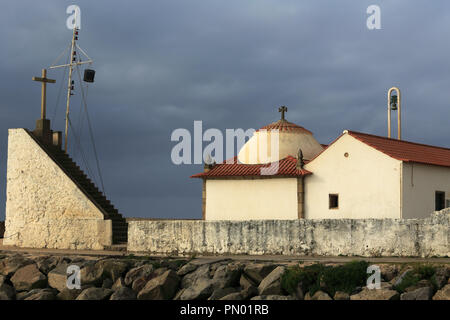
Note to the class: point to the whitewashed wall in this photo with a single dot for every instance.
(44, 207)
(363, 237)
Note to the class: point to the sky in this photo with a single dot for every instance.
(163, 64)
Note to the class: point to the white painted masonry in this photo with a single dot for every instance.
(44, 207)
(249, 199)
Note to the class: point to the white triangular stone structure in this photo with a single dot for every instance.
(44, 207)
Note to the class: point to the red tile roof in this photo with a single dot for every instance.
(287, 167)
(406, 151)
(284, 125)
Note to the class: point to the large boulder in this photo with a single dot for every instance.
(227, 276)
(443, 294)
(10, 265)
(112, 268)
(138, 272)
(47, 264)
(246, 282)
(120, 283)
(95, 294)
(123, 293)
(57, 278)
(318, 295)
(91, 273)
(41, 294)
(222, 292)
(7, 292)
(376, 294)
(271, 284)
(69, 294)
(187, 268)
(140, 282)
(424, 293)
(258, 271)
(202, 288)
(28, 277)
(162, 287)
(339, 295)
(233, 296)
(202, 272)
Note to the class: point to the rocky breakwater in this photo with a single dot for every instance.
(42, 277)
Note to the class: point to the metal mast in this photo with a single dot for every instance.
(70, 83)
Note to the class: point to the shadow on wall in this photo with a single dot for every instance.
(2, 229)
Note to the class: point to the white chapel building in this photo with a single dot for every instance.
(357, 176)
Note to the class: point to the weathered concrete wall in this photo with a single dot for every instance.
(364, 237)
(44, 207)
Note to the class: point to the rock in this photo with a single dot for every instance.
(57, 278)
(202, 288)
(112, 268)
(107, 283)
(162, 287)
(187, 268)
(47, 264)
(29, 277)
(376, 294)
(227, 276)
(120, 283)
(258, 271)
(10, 265)
(69, 294)
(42, 294)
(7, 292)
(443, 294)
(396, 281)
(339, 295)
(139, 272)
(95, 294)
(91, 273)
(441, 276)
(425, 293)
(271, 284)
(141, 281)
(388, 271)
(249, 292)
(246, 282)
(318, 295)
(420, 284)
(178, 295)
(123, 293)
(222, 292)
(233, 296)
(202, 272)
(272, 297)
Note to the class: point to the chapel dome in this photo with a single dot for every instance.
(290, 137)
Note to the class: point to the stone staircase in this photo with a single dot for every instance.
(119, 224)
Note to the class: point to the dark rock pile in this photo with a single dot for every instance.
(39, 277)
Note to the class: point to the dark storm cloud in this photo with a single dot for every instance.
(163, 64)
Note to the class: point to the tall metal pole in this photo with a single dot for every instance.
(69, 83)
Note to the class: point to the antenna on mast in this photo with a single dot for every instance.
(70, 83)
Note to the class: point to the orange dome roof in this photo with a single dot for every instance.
(286, 126)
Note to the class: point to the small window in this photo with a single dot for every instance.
(440, 200)
(448, 203)
(333, 201)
